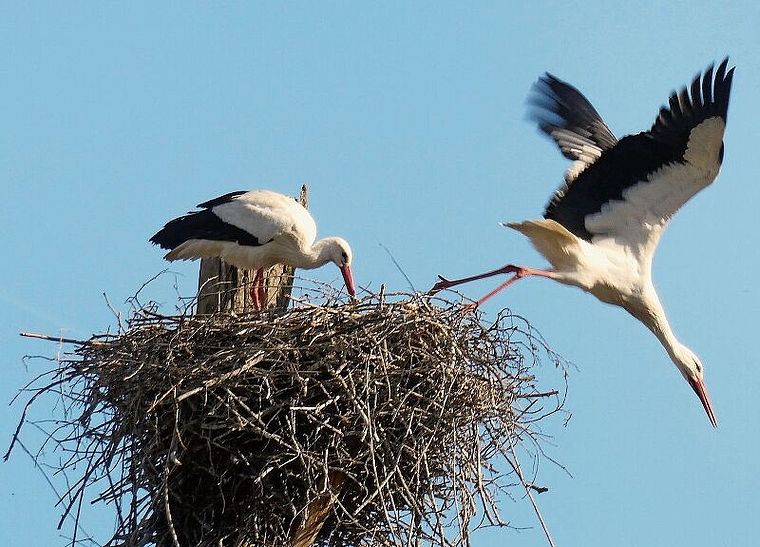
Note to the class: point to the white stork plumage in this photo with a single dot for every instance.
(601, 229)
(254, 231)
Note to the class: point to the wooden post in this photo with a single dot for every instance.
(306, 532)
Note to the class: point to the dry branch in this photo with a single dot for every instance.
(408, 407)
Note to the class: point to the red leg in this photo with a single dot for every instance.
(519, 271)
(257, 290)
(262, 293)
(444, 283)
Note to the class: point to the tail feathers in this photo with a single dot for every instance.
(201, 225)
(198, 248)
(550, 238)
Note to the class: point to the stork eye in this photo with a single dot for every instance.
(344, 256)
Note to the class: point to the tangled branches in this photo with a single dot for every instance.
(395, 417)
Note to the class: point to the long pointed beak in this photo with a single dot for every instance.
(348, 279)
(701, 390)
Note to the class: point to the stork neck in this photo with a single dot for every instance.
(654, 318)
(313, 257)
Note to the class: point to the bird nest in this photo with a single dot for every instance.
(391, 421)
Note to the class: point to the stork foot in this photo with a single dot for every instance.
(440, 285)
(470, 308)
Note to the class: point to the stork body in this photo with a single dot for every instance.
(254, 231)
(601, 229)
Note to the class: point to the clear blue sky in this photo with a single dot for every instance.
(408, 123)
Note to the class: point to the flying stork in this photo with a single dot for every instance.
(601, 228)
(254, 231)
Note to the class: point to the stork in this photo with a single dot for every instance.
(254, 231)
(601, 228)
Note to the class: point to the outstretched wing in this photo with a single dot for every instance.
(635, 186)
(564, 114)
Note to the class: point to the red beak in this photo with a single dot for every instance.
(348, 279)
(699, 388)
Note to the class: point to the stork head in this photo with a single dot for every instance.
(339, 252)
(693, 371)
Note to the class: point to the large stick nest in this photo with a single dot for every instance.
(397, 416)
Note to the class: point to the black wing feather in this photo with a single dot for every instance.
(565, 115)
(628, 163)
(203, 225)
(674, 127)
(226, 198)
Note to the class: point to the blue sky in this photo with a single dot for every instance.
(408, 123)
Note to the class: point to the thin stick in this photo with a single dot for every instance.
(393, 259)
(58, 339)
(528, 487)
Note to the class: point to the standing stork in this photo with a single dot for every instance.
(254, 231)
(601, 229)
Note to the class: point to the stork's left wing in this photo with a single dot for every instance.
(631, 191)
(564, 114)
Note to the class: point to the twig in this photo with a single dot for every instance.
(398, 266)
(528, 487)
(59, 339)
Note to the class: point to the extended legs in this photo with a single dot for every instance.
(518, 271)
